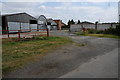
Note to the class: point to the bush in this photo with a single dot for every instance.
(91, 31)
(115, 31)
(99, 32)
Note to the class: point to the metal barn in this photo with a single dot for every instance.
(51, 25)
(20, 21)
(100, 26)
(42, 23)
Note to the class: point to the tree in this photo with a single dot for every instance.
(78, 22)
(96, 25)
(72, 21)
(69, 22)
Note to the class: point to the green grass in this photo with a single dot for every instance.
(80, 45)
(99, 35)
(16, 54)
(105, 35)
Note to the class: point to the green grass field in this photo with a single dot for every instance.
(16, 54)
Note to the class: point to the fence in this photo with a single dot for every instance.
(23, 33)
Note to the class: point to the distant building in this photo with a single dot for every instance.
(103, 26)
(88, 25)
(75, 27)
(51, 25)
(59, 24)
(20, 21)
(79, 27)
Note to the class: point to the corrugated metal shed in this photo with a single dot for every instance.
(52, 25)
(18, 21)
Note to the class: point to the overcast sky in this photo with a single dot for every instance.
(89, 10)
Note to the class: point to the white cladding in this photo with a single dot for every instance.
(78, 27)
(89, 26)
(75, 27)
(40, 22)
(25, 27)
(33, 27)
(13, 26)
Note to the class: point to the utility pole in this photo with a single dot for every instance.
(96, 25)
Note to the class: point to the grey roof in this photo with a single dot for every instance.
(19, 17)
(87, 22)
(18, 14)
(50, 20)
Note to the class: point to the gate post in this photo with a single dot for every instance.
(8, 33)
(47, 32)
(19, 34)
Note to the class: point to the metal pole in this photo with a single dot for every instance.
(96, 25)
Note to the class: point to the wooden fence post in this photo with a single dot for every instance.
(19, 34)
(47, 32)
(8, 33)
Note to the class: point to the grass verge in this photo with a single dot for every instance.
(99, 35)
(16, 54)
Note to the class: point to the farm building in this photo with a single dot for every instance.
(59, 24)
(42, 23)
(103, 26)
(75, 27)
(88, 25)
(20, 21)
(79, 27)
(51, 25)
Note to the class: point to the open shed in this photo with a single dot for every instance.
(20, 21)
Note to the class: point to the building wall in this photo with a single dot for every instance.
(89, 26)
(51, 25)
(78, 27)
(75, 27)
(59, 24)
(33, 27)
